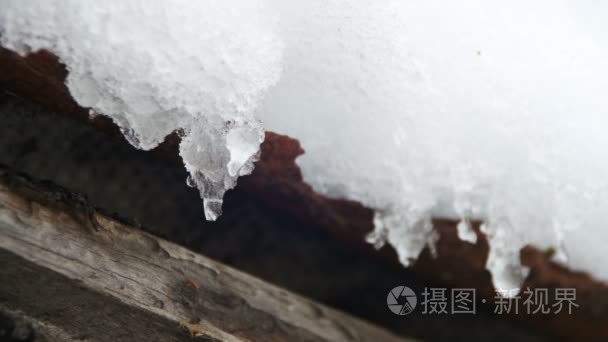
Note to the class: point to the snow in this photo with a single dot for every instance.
(155, 67)
(470, 109)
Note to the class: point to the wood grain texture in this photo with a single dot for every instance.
(49, 233)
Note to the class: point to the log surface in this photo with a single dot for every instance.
(86, 275)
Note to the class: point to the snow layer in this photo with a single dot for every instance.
(492, 110)
(155, 67)
(468, 109)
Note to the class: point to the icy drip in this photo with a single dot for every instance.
(215, 167)
(156, 67)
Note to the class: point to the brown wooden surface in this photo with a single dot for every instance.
(102, 278)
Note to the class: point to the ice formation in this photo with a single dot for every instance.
(469, 109)
(155, 67)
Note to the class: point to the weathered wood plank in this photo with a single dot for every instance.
(57, 232)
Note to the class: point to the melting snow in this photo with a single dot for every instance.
(467, 109)
(155, 67)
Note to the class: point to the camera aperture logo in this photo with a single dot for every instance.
(401, 300)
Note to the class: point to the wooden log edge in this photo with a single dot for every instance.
(47, 229)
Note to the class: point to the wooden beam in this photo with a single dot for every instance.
(81, 273)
